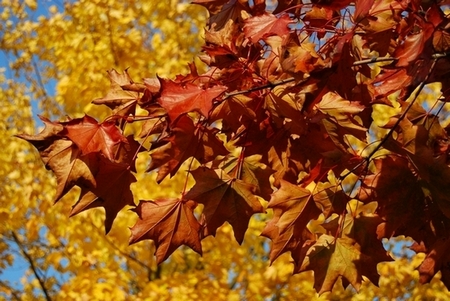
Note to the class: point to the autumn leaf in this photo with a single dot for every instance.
(441, 40)
(181, 98)
(301, 58)
(170, 223)
(91, 136)
(259, 27)
(221, 11)
(293, 208)
(437, 259)
(413, 46)
(283, 104)
(187, 140)
(226, 109)
(250, 170)
(361, 224)
(112, 191)
(226, 199)
(64, 158)
(117, 96)
(334, 105)
(330, 258)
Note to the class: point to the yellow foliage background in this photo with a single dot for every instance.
(54, 61)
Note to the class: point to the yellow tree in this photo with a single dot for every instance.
(69, 48)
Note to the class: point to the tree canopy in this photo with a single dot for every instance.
(320, 125)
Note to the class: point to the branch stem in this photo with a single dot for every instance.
(33, 267)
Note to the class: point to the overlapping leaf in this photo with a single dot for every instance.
(331, 258)
(112, 191)
(91, 136)
(181, 98)
(293, 208)
(170, 223)
(265, 25)
(64, 158)
(187, 140)
(226, 199)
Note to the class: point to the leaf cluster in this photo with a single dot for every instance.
(283, 120)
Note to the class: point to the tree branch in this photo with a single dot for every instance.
(124, 254)
(14, 293)
(291, 79)
(32, 266)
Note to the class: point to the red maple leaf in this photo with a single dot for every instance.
(91, 136)
(112, 191)
(170, 223)
(181, 98)
(117, 96)
(331, 258)
(293, 208)
(186, 140)
(64, 158)
(222, 10)
(259, 27)
(226, 199)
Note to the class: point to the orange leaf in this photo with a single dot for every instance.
(91, 136)
(170, 223)
(330, 258)
(226, 199)
(293, 208)
(259, 27)
(112, 191)
(187, 140)
(181, 98)
(63, 158)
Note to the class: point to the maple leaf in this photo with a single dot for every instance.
(330, 258)
(64, 158)
(170, 223)
(331, 197)
(285, 104)
(112, 191)
(362, 8)
(127, 152)
(69, 166)
(250, 170)
(117, 96)
(91, 136)
(321, 17)
(361, 224)
(334, 105)
(441, 40)
(293, 208)
(437, 259)
(186, 140)
(259, 27)
(226, 199)
(181, 98)
(226, 109)
(222, 10)
(413, 46)
(45, 138)
(399, 195)
(301, 58)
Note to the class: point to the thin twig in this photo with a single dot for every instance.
(391, 131)
(124, 254)
(402, 116)
(291, 79)
(32, 266)
(374, 60)
(14, 293)
(268, 85)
